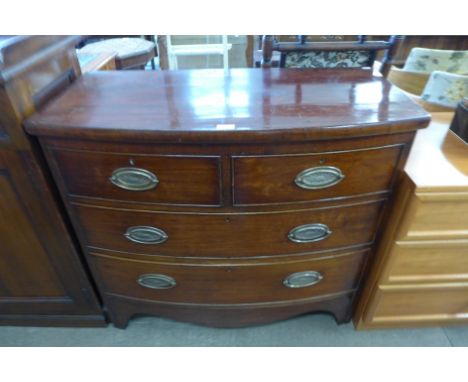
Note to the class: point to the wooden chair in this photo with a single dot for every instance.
(330, 54)
(131, 52)
(253, 53)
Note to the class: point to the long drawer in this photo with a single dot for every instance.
(232, 283)
(160, 179)
(419, 262)
(300, 178)
(419, 304)
(436, 216)
(229, 235)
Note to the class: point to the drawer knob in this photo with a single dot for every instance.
(156, 281)
(316, 178)
(146, 235)
(309, 233)
(134, 179)
(302, 279)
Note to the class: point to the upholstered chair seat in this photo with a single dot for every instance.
(131, 52)
(445, 89)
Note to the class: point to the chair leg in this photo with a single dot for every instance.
(152, 39)
(162, 52)
(267, 50)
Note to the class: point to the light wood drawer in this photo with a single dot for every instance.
(231, 283)
(229, 235)
(436, 217)
(170, 179)
(419, 262)
(419, 304)
(276, 179)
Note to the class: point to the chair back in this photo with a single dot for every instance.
(428, 60)
(330, 54)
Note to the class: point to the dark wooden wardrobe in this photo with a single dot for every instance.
(43, 280)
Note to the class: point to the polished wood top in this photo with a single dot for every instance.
(439, 159)
(239, 105)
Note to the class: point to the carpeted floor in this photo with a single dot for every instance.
(310, 330)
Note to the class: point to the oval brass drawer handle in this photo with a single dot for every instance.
(156, 281)
(146, 235)
(302, 279)
(309, 233)
(316, 178)
(134, 179)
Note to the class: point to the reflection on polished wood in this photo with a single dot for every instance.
(243, 105)
(420, 276)
(227, 149)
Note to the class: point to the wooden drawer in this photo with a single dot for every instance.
(434, 216)
(233, 283)
(184, 180)
(274, 179)
(418, 304)
(419, 262)
(228, 235)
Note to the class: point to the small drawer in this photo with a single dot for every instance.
(422, 262)
(419, 304)
(301, 178)
(436, 217)
(228, 235)
(233, 283)
(161, 179)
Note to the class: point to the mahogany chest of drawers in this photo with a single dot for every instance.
(228, 199)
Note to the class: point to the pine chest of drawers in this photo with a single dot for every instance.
(420, 272)
(228, 199)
